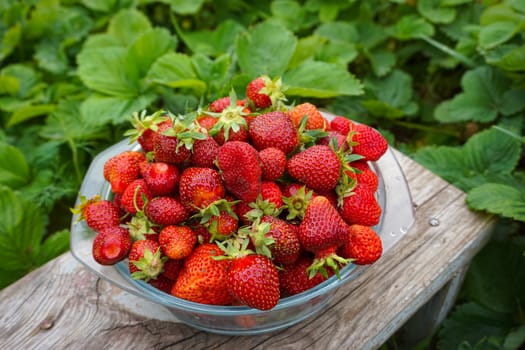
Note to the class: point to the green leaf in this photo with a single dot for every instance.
(51, 56)
(412, 27)
(213, 43)
(175, 70)
(464, 107)
(9, 41)
(100, 5)
(29, 81)
(266, 49)
(337, 52)
(14, 171)
(28, 112)
(434, 12)
(338, 31)
(98, 110)
(371, 34)
(320, 80)
(289, 13)
(509, 58)
(498, 199)
(185, 7)
(127, 25)
(306, 49)
(497, 33)
(499, 13)
(382, 60)
(215, 73)
(11, 211)
(515, 339)
(56, 244)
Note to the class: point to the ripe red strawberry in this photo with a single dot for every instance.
(294, 278)
(123, 169)
(318, 167)
(167, 147)
(222, 226)
(203, 279)
(363, 245)
(365, 175)
(161, 178)
(241, 171)
(111, 245)
(134, 195)
(98, 213)
(144, 128)
(199, 187)
(285, 248)
(172, 269)
(315, 119)
(241, 209)
(162, 283)
(273, 162)
(271, 192)
(265, 92)
(165, 211)
(145, 260)
(274, 129)
(360, 207)
(205, 153)
(253, 280)
(341, 124)
(340, 140)
(177, 242)
(369, 142)
(220, 104)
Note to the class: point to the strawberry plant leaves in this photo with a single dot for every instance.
(9, 40)
(176, 70)
(14, 171)
(214, 73)
(98, 110)
(22, 114)
(412, 26)
(382, 60)
(507, 57)
(338, 31)
(212, 42)
(337, 52)
(320, 80)
(499, 199)
(435, 12)
(185, 7)
(291, 14)
(497, 33)
(306, 49)
(28, 80)
(127, 25)
(265, 49)
(11, 212)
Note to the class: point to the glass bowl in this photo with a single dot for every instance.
(398, 216)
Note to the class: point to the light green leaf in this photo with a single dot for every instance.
(127, 25)
(100, 5)
(498, 13)
(454, 2)
(464, 107)
(51, 56)
(518, 5)
(11, 210)
(516, 338)
(339, 31)
(213, 43)
(434, 12)
(99, 110)
(10, 40)
(29, 81)
(185, 7)
(103, 70)
(306, 49)
(215, 73)
(371, 34)
(498, 199)
(337, 52)
(14, 171)
(28, 112)
(265, 49)
(290, 13)
(9, 85)
(320, 80)
(175, 70)
(509, 58)
(497, 33)
(412, 27)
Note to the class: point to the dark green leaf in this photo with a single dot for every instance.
(265, 49)
(306, 49)
(412, 27)
(515, 339)
(321, 80)
(176, 70)
(29, 81)
(27, 112)
(382, 60)
(98, 110)
(337, 52)
(498, 199)
(14, 171)
(509, 58)
(11, 210)
(213, 43)
(338, 31)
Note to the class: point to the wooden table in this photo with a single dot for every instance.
(62, 305)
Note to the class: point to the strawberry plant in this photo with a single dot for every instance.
(443, 80)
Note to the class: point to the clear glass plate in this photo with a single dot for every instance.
(398, 216)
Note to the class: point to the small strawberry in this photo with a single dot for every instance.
(144, 128)
(231, 124)
(135, 196)
(172, 268)
(273, 162)
(315, 119)
(145, 260)
(161, 178)
(294, 278)
(341, 124)
(98, 213)
(340, 140)
(363, 245)
(223, 225)
(205, 153)
(367, 142)
(162, 283)
(240, 168)
(123, 169)
(365, 175)
(274, 129)
(271, 192)
(220, 104)
(265, 92)
(177, 242)
(165, 211)
(111, 245)
(199, 187)
(360, 207)
(203, 279)
(318, 167)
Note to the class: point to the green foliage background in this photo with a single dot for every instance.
(442, 79)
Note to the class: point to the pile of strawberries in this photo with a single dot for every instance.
(240, 203)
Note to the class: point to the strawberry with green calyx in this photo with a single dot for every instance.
(363, 245)
(240, 168)
(360, 206)
(265, 92)
(145, 260)
(141, 228)
(327, 258)
(219, 218)
(161, 178)
(166, 211)
(144, 128)
(318, 167)
(310, 137)
(111, 245)
(273, 163)
(98, 213)
(205, 153)
(203, 278)
(177, 242)
(199, 187)
(296, 198)
(274, 129)
(367, 142)
(252, 279)
(135, 196)
(340, 140)
(294, 279)
(231, 124)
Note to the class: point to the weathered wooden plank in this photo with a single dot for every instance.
(62, 305)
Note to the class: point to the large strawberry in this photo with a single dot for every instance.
(360, 207)
(145, 260)
(231, 124)
(318, 167)
(274, 129)
(363, 245)
(277, 239)
(365, 175)
(165, 211)
(273, 162)
(240, 168)
(111, 245)
(177, 242)
(367, 142)
(199, 187)
(203, 278)
(205, 153)
(161, 178)
(97, 212)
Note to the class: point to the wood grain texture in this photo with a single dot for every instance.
(62, 305)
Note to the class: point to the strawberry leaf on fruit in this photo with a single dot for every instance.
(320, 80)
(14, 170)
(500, 199)
(265, 49)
